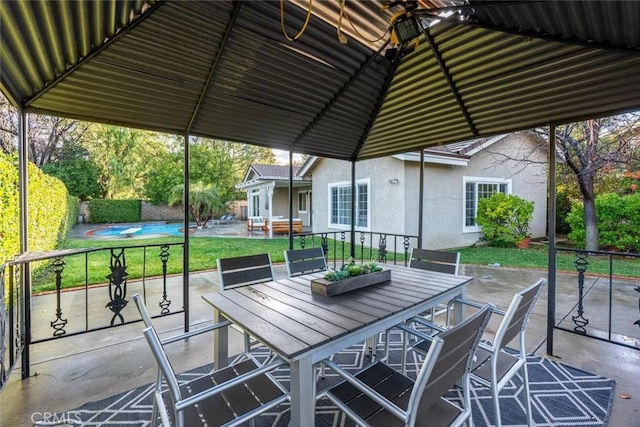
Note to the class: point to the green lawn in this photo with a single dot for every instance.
(203, 253)
(205, 250)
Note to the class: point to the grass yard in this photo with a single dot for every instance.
(203, 253)
(93, 267)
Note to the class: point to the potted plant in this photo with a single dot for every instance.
(505, 220)
(351, 276)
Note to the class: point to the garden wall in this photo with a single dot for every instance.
(151, 212)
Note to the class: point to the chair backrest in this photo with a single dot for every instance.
(164, 365)
(244, 270)
(441, 261)
(448, 361)
(517, 316)
(301, 261)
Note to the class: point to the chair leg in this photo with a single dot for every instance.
(403, 363)
(496, 404)
(527, 399)
(157, 390)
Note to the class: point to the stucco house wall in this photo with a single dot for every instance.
(386, 202)
(394, 205)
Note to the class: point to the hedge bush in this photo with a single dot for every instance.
(618, 222)
(51, 211)
(504, 219)
(103, 211)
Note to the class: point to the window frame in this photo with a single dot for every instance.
(303, 195)
(255, 202)
(478, 180)
(366, 182)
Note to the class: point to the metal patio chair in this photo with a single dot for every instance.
(495, 365)
(244, 271)
(302, 261)
(379, 395)
(442, 261)
(224, 397)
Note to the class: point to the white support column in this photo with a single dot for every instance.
(270, 189)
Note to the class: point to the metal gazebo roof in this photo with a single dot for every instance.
(224, 69)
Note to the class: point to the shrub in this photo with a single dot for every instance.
(504, 219)
(618, 222)
(563, 207)
(51, 211)
(103, 211)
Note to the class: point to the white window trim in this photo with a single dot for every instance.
(331, 185)
(481, 180)
(254, 196)
(306, 195)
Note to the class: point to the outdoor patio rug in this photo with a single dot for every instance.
(561, 396)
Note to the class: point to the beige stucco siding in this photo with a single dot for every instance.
(394, 207)
(386, 200)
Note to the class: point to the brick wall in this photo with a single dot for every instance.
(151, 212)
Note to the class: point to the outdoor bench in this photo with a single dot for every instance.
(280, 226)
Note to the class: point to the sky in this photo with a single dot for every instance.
(282, 157)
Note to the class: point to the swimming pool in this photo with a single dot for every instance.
(175, 229)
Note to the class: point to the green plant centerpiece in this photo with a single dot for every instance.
(350, 277)
(351, 269)
(505, 219)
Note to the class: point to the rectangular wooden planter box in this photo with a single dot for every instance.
(327, 288)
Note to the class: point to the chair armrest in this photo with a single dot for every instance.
(205, 394)
(473, 304)
(486, 346)
(425, 322)
(375, 396)
(196, 332)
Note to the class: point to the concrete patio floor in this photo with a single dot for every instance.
(70, 372)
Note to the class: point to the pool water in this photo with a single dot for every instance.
(116, 230)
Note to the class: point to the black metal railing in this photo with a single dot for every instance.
(368, 246)
(618, 321)
(11, 321)
(27, 319)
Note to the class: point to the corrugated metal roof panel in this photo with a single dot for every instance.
(512, 65)
(612, 23)
(506, 82)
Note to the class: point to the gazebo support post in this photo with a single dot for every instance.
(25, 274)
(290, 199)
(421, 199)
(551, 303)
(353, 209)
(185, 248)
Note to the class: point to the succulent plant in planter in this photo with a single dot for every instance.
(505, 219)
(351, 269)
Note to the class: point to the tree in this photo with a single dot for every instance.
(123, 157)
(592, 149)
(224, 163)
(47, 135)
(79, 174)
(204, 201)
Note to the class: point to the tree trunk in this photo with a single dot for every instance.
(590, 224)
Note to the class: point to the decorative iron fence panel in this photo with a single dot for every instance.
(617, 321)
(369, 246)
(70, 309)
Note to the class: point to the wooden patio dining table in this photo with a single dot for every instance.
(304, 328)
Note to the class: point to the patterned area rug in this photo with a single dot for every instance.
(561, 396)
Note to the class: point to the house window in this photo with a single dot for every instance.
(340, 204)
(302, 202)
(255, 203)
(476, 189)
